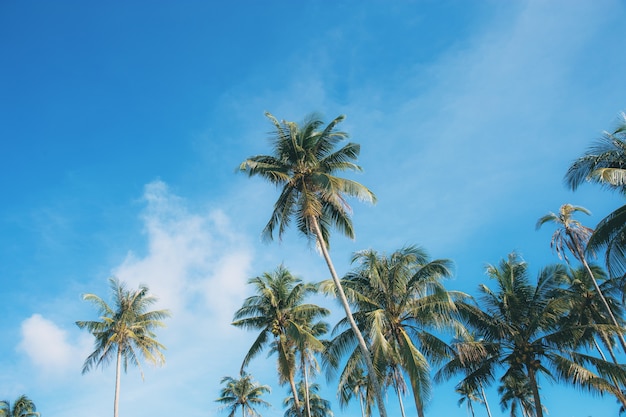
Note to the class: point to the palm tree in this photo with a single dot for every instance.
(244, 393)
(124, 331)
(587, 311)
(521, 326)
(571, 234)
(400, 303)
(318, 407)
(278, 311)
(356, 385)
(22, 407)
(515, 394)
(605, 163)
(304, 164)
(308, 363)
(466, 354)
(469, 396)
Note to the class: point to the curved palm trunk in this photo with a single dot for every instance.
(118, 371)
(582, 258)
(533, 386)
(344, 302)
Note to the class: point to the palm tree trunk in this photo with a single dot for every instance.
(307, 402)
(482, 391)
(344, 302)
(292, 383)
(581, 257)
(362, 406)
(533, 386)
(401, 403)
(118, 371)
(296, 401)
(620, 397)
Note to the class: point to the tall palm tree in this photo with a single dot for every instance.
(605, 163)
(318, 407)
(243, 392)
(573, 236)
(521, 329)
(279, 312)
(304, 164)
(124, 331)
(402, 306)
(22, 407)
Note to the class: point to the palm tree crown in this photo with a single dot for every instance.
(244, 393)
(399, 301)
(319, 407)
(522, 331)
(124, 331)
(304, 164)
(284, 320)
(605, 163)
(22, 407)
(571, 234)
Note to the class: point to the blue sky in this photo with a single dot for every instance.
(121, 126)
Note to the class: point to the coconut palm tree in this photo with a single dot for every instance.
(467, 353)
(573, 236)
(515, 394)
(521, 329)
(279, 312)
(468, 396)
(304, 165)
(306, 350)
(318, 407)
(605, 163)
(124, 331)
(402, 307)
(22, 407)
(356, 385)
(587, 312)
(243, 392)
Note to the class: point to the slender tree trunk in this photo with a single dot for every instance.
(344, 302)
(619, 396)
(581, 257)
(307, 402)
(401, 403)
(118, 371)
(362, 406)
(296, 401)
(471, 407)
(482, 391)
(532, 378)
(292, 383)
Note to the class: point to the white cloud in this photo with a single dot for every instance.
(187, 252)
(48, 347)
